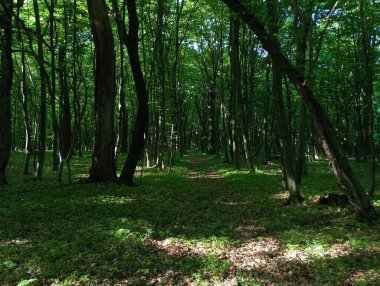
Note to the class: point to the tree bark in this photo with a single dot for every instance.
(42, 119)
(103, 167)
(6, 77)
(65, 136)
(130, 39)
(51, 9)
(287, 148)
(236, 84)
(346, 178)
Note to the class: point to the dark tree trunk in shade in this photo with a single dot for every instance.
(42, 115)
(287, 149)
(346, 178)
(236, 85)
(65, 136)
(6, 77)
(301, 29)
(52, 47)
(130, 39)
(103, 168)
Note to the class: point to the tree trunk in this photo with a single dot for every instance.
(346, 179)
(51, 9)
(42, 121)
(236, 84)
(6, 77)
(103, 167)
(301, 28)
(65, 136)
(283, 124)
(130, 39)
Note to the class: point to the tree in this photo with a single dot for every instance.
(288, 157)
(6, 77)
(42, 73)
(130, 39)
(346, 178)
(103, 167)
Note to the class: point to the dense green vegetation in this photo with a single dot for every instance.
(189, 142)
(203, 223)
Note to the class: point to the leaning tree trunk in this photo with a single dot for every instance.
(6, 76)
(346, 179)
(103, 167)
(130, 39)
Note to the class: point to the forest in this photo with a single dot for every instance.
(189, 142)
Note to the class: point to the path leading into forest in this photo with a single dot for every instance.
(252, 250)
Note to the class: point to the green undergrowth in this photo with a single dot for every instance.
(175, 230)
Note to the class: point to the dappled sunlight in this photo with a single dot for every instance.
(113, 200)
(16, 242)
(281, 196)
(193, 226)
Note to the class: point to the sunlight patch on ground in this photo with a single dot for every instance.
(17, 242)
(103, 200)
(234, 203)
(180, 248)
(281, 196)
(369, 277)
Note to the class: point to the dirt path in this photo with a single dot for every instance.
(197, 162)
(254, 255)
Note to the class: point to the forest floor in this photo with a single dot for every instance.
(201, 224)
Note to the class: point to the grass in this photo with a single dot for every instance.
(218, 226)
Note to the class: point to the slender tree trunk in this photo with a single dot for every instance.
(301, 28)
(42, 119)
(236, 79)
(123, 114)
(51, 9)
(103, 167)
(346, 178)
(130, 39)
(288, 157)
(25, 104)
(65, 136)
(368, 117)
(234, 39)
(6, 77)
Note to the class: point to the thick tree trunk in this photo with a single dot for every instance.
(339, 164)
(130, 39)
(6, 77)
(103, 168)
